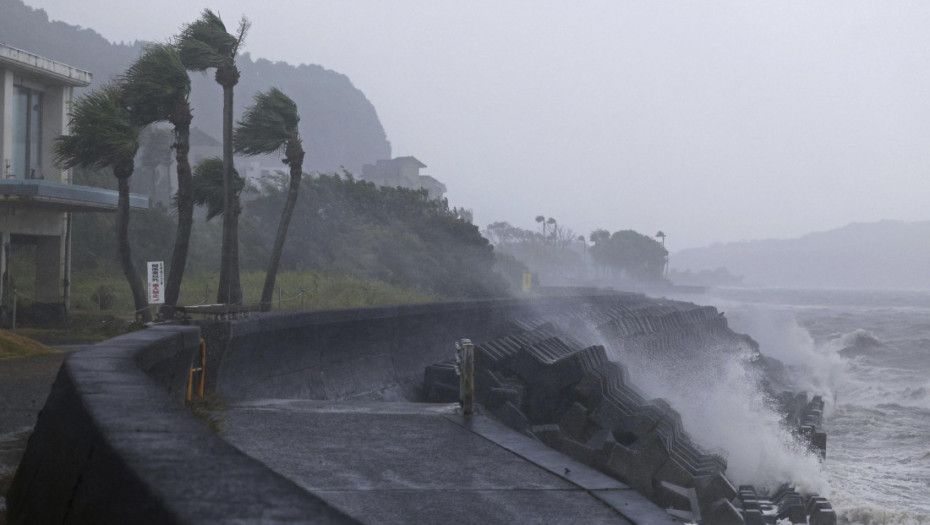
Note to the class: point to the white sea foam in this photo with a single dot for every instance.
(872, 364)
(718, 394)
(816, 369)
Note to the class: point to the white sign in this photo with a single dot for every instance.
(156, 282)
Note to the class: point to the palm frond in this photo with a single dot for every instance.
(205, 43)
(244, 25)
(103, 133)
(267, 125)
(208, 185)
(155, 83)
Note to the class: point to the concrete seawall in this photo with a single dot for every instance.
(374, 353)
(115, 444)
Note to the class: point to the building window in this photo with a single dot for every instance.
(27, 133)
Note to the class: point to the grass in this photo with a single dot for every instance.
(208, 409)
(17, 345)
(298, 290)
(83, 327)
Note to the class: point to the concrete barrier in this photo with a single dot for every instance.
(114, 444)
(373, 353)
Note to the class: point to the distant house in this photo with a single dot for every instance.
(159, 178)
(254, 169)
(36, 196)
(403, 172)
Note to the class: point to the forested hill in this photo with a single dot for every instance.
(878, 255)
(339, 125)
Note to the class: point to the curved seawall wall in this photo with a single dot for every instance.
(115, 444)
(381, 353)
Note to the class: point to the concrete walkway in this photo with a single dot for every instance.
(399, 463)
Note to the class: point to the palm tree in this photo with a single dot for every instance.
(207, 186)
(104, 134)
(268, 126)
(157, 88)
(205, 44)
(600, 238)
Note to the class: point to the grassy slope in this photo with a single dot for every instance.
(304, 290)
(16, 345)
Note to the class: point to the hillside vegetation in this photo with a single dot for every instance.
(351, 243)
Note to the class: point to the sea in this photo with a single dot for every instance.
(867, 353)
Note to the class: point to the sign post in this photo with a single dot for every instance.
(156, 282)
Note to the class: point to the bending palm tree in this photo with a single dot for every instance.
(104, 134)
(157, 88)
(202, 45)
(207, 189)
(268, 126)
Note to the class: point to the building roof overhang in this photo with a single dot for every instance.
(45, 68)
(55, 196)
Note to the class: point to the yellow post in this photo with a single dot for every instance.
(203, 366)
(527, 282)
(190, 382)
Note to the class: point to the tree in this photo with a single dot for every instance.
(104, 134)
(600, 238)
(207, 187)
(268, 126)
(636, 255)
(157, 88)
(202, 45)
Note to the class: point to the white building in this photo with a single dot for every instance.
(403, 172)
(36, 196)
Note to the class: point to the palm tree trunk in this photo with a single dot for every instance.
(230, 291)
(271, 275)
(182, 145)
(125, 257)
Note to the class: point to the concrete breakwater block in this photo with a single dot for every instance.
(805, 419)
(577, 401)
(569, 395)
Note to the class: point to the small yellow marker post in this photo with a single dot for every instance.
(201, 369)
(527, 282)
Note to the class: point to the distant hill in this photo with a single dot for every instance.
(880, 255)
(338, 124)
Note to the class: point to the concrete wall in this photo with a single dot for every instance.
(114, 444)
(378, 353)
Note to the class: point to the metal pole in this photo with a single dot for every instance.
(465, 358)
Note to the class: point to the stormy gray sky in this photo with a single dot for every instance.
(710, 120)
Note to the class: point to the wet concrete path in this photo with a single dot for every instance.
(423, 463)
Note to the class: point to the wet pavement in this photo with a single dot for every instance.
(386, 462)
